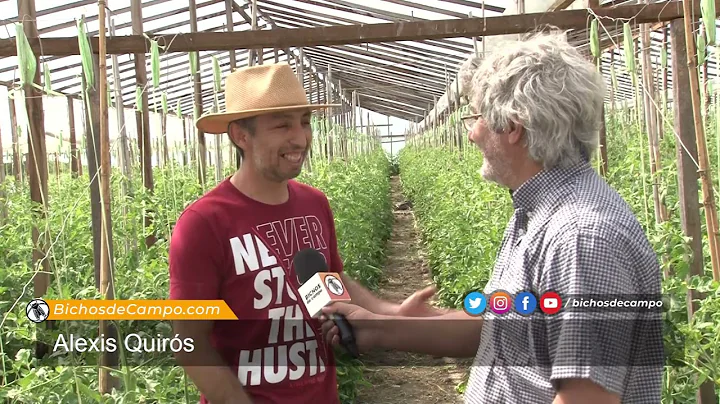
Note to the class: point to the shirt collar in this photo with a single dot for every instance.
(541, 186)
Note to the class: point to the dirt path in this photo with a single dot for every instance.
(399, 377)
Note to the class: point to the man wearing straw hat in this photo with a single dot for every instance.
(237, 243)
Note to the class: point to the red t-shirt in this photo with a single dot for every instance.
(228, 246)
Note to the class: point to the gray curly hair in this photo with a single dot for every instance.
(467, 72)
(546, 85)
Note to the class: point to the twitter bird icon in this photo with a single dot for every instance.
(474, 303)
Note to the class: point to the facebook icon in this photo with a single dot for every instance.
(525, 303)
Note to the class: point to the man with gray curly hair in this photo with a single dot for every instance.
(465, 75)
(571, 249)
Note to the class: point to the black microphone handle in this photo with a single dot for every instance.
(347, 336)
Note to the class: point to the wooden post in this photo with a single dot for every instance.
(74, 157)
(108, 359)
(612, 88)
(120, 113)
(17, 167)
(185, 141)
(651, 119)
(705, 79)
(230, 24)
(142, 118)
(341, 122)
(3, 203)
(300, 71)
(92, 151)
(683, 108)
(37, 164)
(233, 61)
(458, 124)
(664, 84)
(389, 131)
(705, 176)
(253, 25)
(329, 97)
(197, 96)
(57, 168)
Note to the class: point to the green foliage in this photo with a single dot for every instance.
(461, 217)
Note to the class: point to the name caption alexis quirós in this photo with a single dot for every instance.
(132, 343)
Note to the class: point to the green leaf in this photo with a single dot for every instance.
(164, 103)
(216, 75)
(26, 57)
(46, 78)
(155, 63)
(86, 54)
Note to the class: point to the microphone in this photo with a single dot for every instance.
(319, 288)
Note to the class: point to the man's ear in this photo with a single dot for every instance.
(515, 133)
(239, 135)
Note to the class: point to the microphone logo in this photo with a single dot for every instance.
(37, 310)
(334, 285)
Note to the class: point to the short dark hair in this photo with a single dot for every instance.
(246, 123)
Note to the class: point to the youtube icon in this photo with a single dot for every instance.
(550, 303)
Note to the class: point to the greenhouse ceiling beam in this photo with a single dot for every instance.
(410, 53)
(93, 18)
(390, 100)
(205, 77)
(436, 9)
(300, 23)
(347, 34)
(181, 92)
(476, 4)
(353, 8)
(383, 89)
(398, 78)
(126, 25)
(425, 90)
(164, 57)
(128, 65)
(370, 80)
(301, 58)
(432, 78)
(402, 112)
(560, 5)
(49, 11)
(404, 98)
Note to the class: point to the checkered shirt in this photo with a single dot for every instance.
(574, 235)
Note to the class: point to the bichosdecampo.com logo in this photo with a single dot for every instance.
(39, 310)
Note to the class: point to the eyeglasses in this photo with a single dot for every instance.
(469, 120)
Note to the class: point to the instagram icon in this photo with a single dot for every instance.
(500, 302)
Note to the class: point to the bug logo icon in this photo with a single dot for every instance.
(37, 310)
(334, 285)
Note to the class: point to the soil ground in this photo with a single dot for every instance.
(399, 377)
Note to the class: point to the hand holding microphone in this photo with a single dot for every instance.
(319, 288)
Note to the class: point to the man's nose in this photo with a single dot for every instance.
(298, 135)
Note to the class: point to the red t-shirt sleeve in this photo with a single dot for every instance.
(337, 263)
(195, 259)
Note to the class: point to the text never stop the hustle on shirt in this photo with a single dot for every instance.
(228, 246)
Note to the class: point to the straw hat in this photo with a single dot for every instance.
(257, 90)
